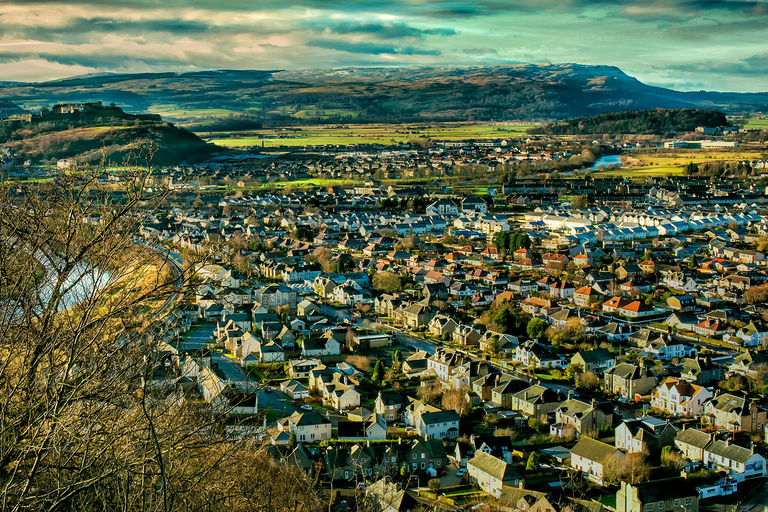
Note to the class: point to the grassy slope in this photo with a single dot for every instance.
(113, 138)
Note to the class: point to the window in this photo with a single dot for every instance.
(423, 455)
(414, 456)
(687, 501)
(649, 507)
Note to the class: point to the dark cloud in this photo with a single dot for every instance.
(368, 48)
(383, 30)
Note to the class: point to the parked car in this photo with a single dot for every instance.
(461, 472)
(306, 407)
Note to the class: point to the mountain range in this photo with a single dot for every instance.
(523, 92)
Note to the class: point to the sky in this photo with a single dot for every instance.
(718, 45)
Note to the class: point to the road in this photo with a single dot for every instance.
(201, 334)
(431, 347)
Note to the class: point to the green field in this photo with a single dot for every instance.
(757, 124)
(672, 162)
(365, 134)
(640, 172)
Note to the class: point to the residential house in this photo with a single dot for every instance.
(535, 355)
(492, 474)
(628, 380)
(416, 315)
(719, 455)
(492, 341)
(751, 364)
(294, 389)
(442, 325)
(710, 327)
(668, 495)
(734, 411)
(372, 428)
(308, 427)
(438, 425)
(680, 397)
(466, 336)
(275, 295)
(586, 297)
(700, 370)
(574, 415)
(390, 406)
(595, 361)
(692, 442)
(644, 435)
(593, 458)
(387, 496)
(316, 347)
(536, 400)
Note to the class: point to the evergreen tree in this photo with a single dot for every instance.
(533, 462)
(378, 371)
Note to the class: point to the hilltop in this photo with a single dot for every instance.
(221, 100)
(87, 132)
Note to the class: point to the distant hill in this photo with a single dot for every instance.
(413, 94)
(87, 132)
(651, 122)
(8, 109)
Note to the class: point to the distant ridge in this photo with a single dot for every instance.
(522, 92)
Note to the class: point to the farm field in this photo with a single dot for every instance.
(757, 124)
(672, 162)
(683, 158)
(365, 134)
(640, 172)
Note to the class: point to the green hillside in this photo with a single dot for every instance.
(650, 122)
(246, 99)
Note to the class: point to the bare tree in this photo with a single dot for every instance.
(92, 417)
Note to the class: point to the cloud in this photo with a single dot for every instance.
(670, 42)
(368, 48)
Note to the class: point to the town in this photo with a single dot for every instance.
(545, 341)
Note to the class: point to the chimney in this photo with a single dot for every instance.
(520, 484)
(594, 403)
(570, 394)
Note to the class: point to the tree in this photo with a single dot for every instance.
(493, 346)
(587, 380)
(292, 438)
(90, 421)
(536, 328)
(387, 282)
(692, 262)
(430, 393)
(533, 462)
(434, 485)
(579, 202)
(455, 400)
(396, 360)
(635, 467)
(378, 371)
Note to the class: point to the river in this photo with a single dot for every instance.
(605, 161)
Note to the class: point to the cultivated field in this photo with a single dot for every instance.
(364, 134)
(671, 162)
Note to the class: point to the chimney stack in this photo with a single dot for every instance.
(570, 394)
(594, 403)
